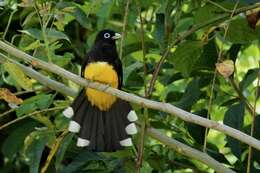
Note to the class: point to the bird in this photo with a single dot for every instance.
(104, 123)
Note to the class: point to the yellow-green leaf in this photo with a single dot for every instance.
(18, 75)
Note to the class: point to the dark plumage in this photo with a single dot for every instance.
(104, 122)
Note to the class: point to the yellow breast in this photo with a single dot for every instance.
(104, 73)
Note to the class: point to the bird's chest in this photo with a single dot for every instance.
(104, 73)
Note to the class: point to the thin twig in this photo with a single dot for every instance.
(188, 151)
(253, 121)
(7, 112)
(165, 107)
(221, 7)
(214, 79)
(29, 115)
(171, 143)
(9, 22)
(188, 33)
(145, 111)
(124, 29)
(54, 149)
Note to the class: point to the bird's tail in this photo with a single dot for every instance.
(101, 130)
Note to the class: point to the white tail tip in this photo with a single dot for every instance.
(131, 129)
(68, 112)
(126, 142)
(82, 142)
(132, 116)
(74, 127)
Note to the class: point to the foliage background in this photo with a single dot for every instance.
(62, 31)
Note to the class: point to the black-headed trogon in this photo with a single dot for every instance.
(104, 122)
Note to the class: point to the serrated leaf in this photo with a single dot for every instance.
(234, 117)
(186, 56)
(40, 101)
(239, 32)
(248, 79)
(18, 75)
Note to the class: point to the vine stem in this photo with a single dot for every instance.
(29, 115)
(124, 28)
(145, 110)
(253, 121)
(188, 33)
(214, 79)
(53, 151)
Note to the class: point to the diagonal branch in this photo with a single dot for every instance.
(174, 144)
(188, 33)
(165, 107)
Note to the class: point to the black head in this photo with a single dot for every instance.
(107, 36)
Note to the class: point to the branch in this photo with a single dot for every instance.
(174, 144)
(165, 107)
(188, 33)
(188, 151)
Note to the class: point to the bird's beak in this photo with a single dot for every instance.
(116, 36)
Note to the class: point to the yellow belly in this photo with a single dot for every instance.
(104, 73)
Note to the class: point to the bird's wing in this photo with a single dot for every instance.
(119, 69)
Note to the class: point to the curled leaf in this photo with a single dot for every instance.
(225, 68)
(9, 97)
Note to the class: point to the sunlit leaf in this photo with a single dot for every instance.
(18, 75)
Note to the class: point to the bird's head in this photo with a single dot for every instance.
(107, 36)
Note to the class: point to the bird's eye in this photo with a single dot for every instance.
(106, 35)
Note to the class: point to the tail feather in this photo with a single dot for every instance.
(102, 130)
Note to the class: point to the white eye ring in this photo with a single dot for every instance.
(106, 35)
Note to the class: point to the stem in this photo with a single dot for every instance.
(253, 122)
(124, 29)
(145, 110)
(214, 79)
(188, 33)
(29, 115)
(54, 149)
(8, 24)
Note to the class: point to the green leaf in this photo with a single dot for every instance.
(234, 117)
(33, 32)
(196, 131)
(82, 158)
(15, 139)
(208, 58)
(52, 34)
(34, 148)
(240, 32)
(62, 150)
(208, 12)
(18, 76)
(56, 35)
(249, 78)
(191, 96)
(186, 56)
(131, 69)
(40, 101)
(159, 31)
